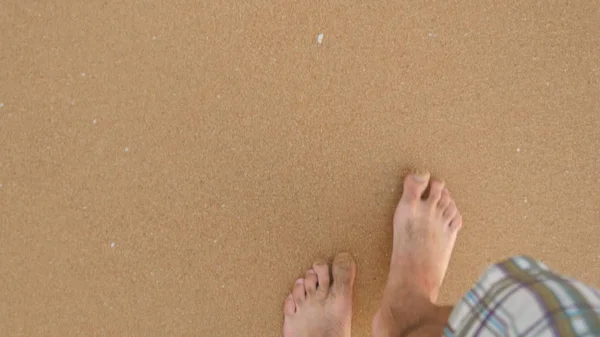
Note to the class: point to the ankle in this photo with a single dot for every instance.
(412, 315)
(413, 285)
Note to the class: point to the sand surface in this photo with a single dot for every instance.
(168, 168)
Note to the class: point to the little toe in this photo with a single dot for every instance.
(299, 293)
(435, 191)
(343, 270)
(310, 282)
(415, 185)
(456, 223)
(321, 268)
(289, 306)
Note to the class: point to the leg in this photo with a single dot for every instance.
(425, 230)
(320, 306)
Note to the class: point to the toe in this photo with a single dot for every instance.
(343, 270)
(435, 192)
(444, 200)
(450, 211)
(414, 185)
(289, 306)
(310, 282)
(299, 293)
(321, 268)
(456, 223)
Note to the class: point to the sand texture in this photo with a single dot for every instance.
(168, 168)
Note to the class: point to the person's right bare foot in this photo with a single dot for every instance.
(425, 230)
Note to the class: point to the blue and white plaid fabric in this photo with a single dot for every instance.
(523, 297)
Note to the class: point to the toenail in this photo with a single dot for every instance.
(299, 281)
(420, 176)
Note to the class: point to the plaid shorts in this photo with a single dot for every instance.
(523, 297)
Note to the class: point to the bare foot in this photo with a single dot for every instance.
(425, 230)
(319, 306)
(424, 234)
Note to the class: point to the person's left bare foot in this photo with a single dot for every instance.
(318, 305)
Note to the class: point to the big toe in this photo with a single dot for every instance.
(343, 271)
(415, 185)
